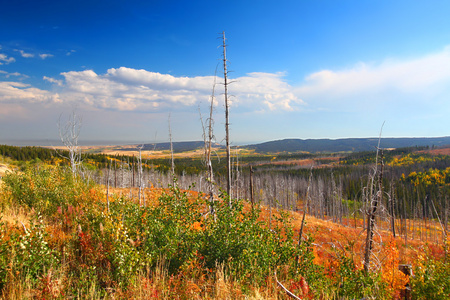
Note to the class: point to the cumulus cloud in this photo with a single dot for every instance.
(4, 59)
(268, 89)
(129, 89)
(14, 92)
(45, 55)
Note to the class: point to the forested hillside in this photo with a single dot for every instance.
(346, 145)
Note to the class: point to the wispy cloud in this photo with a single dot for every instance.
(70, 52)
(4, 59)
(16, 74)
(45, 55)
(53, 80)
(393, 81)
(24, 54)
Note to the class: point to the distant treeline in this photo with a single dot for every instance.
(27, 153)
(345, 145)
(51, 156)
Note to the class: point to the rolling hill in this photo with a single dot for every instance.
(345, 145)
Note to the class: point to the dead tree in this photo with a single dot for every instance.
(171, 153)
(305, 205)
(227, 122)
(107, 183)
(375, 199)
(69, 134)
(252, 200)
(208, 140)
(140, 173)
(392, 209)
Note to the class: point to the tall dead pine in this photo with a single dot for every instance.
(208, 147)
(227, 122)
(375, 200)
(252, 200)
(207, 152)
(171, 153)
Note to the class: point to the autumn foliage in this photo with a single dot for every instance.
(69, 244)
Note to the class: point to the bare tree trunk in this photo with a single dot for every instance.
(392, 211)
(115, 173)
(107, 184)
(208, 148)
(122, 172)
(140, 174)
(227, 122)
(305, 205)
(252, 200)
(373, 207)
(133, 167)
(171, 153)
(130, 181)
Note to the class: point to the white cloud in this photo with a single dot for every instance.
(162, 81)
(53, 80)
(392, 82)
(17, 74)
(129, 89)
(267, 88)
(13, 92)
(70, 52)
(4, 59)
(24, 54)
(45, 55)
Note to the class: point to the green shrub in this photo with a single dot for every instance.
(26, 253)
(45, 188)
(431, 279)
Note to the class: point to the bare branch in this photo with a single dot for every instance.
(288, 292)
(69, 133)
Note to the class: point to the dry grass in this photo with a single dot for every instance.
(3, 169)
(16, 216)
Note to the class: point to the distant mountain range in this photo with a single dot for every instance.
(345, 145)
(312, 145)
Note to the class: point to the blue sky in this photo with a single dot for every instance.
(300, 69)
